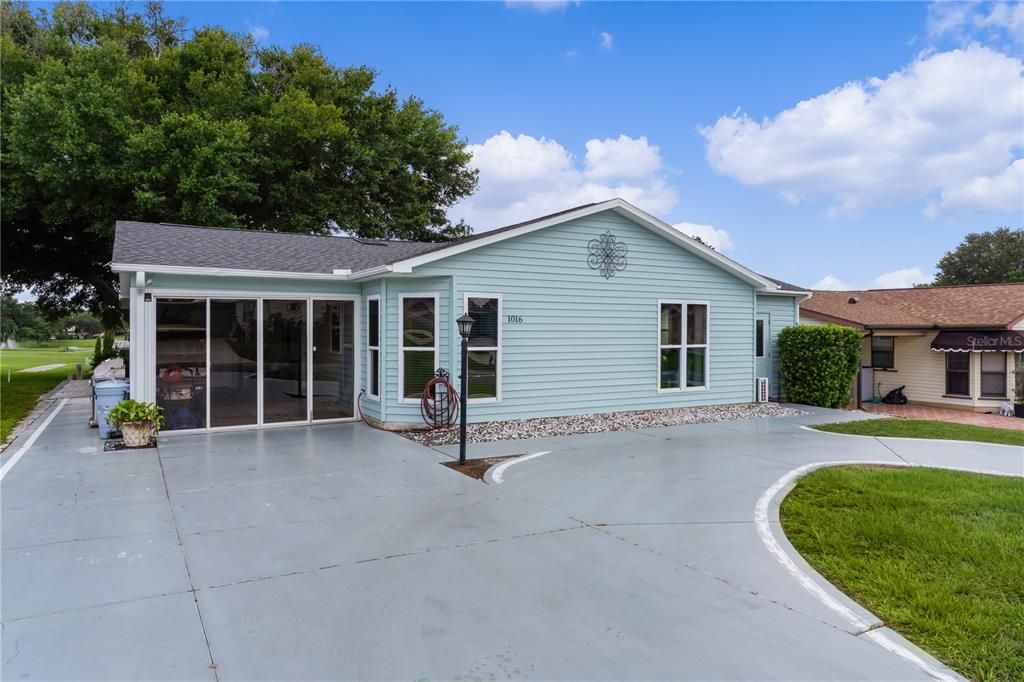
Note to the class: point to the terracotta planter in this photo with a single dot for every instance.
(137, 434)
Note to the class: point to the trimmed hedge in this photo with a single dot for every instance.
(817, 363)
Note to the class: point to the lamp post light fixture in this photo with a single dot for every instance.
(465, 326)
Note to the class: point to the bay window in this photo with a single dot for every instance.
(418, 334)
(682, 345)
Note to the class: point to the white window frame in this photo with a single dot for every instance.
(369, 363)
(981, 377)
(683, 388)
(761, 335)
(497, 349)
(401, 340)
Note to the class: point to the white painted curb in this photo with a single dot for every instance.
(813, 583)
(496, 474)
(9, 464)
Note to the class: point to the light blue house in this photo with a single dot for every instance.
(598, 308)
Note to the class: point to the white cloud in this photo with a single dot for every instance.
(539, 5)
(522, 177)
(965, 21)
(623, 157)
(607, 40)
(717, 238)
(896, 279)
(571, 53)
(259, 33)
(899, 279)
(945, 122)
(1003, 192)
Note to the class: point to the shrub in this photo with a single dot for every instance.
(817, 363)
(128, 411)
(108, 345)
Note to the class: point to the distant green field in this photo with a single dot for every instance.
(19, 390)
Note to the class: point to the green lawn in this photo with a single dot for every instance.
(20, 393)
(937, 555)
(926, 428)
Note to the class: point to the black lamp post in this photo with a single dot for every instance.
(465, 325)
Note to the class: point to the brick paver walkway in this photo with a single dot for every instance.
(944, 415)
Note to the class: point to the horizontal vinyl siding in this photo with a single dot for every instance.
(589, 344)
(781, 311)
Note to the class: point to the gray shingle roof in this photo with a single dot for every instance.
(168, 244)
(138, 243)
(786, 285)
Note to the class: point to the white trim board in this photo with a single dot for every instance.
(337, 275)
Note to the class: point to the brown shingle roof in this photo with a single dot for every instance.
(980, 305)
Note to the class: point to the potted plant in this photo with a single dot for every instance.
(138, 422)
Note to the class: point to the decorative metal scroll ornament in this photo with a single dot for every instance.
(607, 255)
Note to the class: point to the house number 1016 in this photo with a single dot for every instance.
(514, 319)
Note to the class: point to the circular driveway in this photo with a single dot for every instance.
(705, 499)
(343, 552)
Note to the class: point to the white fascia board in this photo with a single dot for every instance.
(223, 272)
(620, 205)
(785, 292)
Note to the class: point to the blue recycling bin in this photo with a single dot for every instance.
(108, 394)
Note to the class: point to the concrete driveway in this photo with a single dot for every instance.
(347, 553)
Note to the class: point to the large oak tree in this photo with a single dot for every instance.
(114, 114)
(994, 257)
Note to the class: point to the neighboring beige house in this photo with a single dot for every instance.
(957, 347)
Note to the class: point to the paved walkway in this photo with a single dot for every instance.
(911, 411)
(341, 552)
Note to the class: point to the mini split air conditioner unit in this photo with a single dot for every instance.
(761, 389)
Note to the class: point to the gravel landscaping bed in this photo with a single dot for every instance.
(543, 427)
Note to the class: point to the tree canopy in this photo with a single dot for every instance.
(26, 322)
(113, 114)
(993, 257)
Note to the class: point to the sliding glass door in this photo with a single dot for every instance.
(285, 330)
(333, 365)
(234, 384)
(234, 362)
(181, 362)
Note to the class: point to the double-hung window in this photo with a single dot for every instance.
(958, 374)
(419, 335)
(682, 345)
(883, 355)
(484, 347)
(993, 374)
(373, 347)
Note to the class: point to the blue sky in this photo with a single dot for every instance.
(833, 144)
